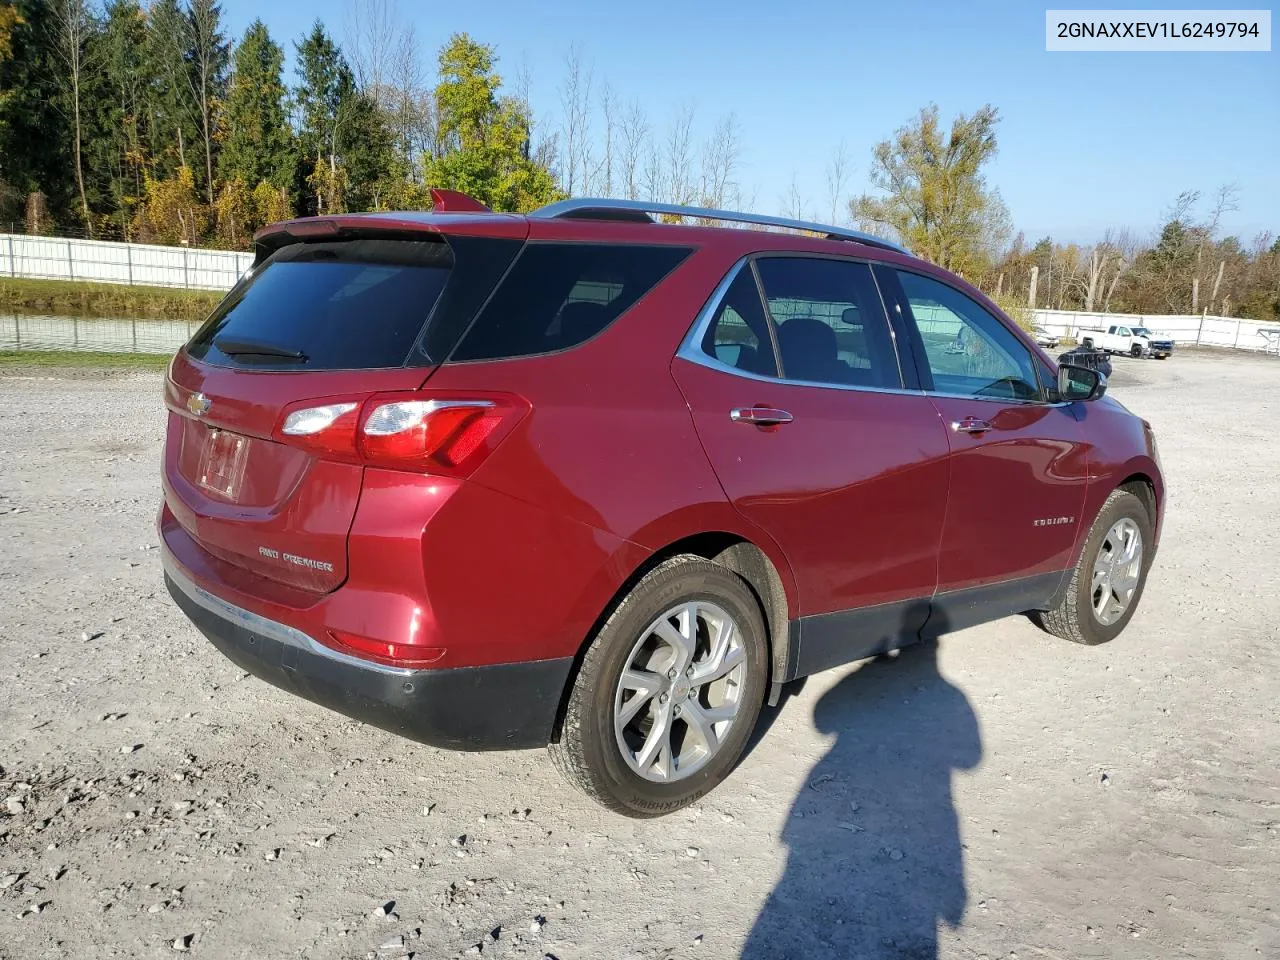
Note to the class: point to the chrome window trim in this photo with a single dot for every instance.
(280, 632)
(691, 350)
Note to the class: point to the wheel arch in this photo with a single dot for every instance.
(1139, 477)
(1144, 488)
(734, 552)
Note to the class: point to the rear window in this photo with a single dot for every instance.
(558, 295)
(329, 306)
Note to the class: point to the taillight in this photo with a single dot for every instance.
(405, 431)
(327, 429)
(415, 431)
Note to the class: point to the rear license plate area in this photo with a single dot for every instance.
(222, 464)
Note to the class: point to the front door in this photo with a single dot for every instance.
(801, 409)
(1018, 463)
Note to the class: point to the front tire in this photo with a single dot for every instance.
(668, 692)
(1135, 351)
(1108, 578)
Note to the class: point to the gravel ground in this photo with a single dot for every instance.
(1022, 796)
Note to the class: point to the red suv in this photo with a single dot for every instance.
(584, 479)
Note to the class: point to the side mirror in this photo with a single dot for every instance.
(1080, 383)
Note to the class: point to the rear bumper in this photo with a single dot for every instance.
(500, 707)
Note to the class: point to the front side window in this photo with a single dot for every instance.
(970, 352)
(830, 325)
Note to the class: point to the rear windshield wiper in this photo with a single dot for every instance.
(242, 346)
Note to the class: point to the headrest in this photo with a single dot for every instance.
(808, 334)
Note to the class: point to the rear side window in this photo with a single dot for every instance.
(558, 295)
(358, 304)
(739, 333)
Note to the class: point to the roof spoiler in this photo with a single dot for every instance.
(338, 227)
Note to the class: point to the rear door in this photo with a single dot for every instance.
(800, 404)
(1018, 462)
(318, 324)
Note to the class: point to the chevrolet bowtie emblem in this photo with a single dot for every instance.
(199, 404)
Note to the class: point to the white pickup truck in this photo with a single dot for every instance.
(1135, 341)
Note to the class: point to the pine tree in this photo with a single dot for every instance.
(117, 154)
(34, 140)
(325, 97)
(259, 145)
(207, 58)
(172, 119)
(325, 87)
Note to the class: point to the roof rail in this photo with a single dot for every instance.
(588, 208)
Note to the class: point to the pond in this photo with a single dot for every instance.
(27, 332)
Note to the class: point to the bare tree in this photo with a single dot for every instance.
(1124, 250)
(1096, 269)
(72, 25)
(837, 176)
(1070, 280)
(655, 182)
(792, 201)
(1224, 202)
(609, 111)
(634, 142)
(720, 158)
(679, 156)
(575, 100)
(407, 101)
(1217, 283)
(372, 28)
(542, 146)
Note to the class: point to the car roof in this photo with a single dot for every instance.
(597, 220)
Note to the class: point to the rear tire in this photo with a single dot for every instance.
(610, 723)
(1098, 603)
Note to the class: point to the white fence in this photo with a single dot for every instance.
(1202, 330)
(134, 263)
(98, 261)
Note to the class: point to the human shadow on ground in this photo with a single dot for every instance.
(875, 860)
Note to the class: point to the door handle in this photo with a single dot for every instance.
(970, 425)
(760, 416)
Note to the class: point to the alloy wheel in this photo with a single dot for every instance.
(680, 691)
(1117, 570)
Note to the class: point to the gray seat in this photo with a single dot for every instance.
(809, 351)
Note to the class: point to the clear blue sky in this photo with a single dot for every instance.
(1087, 140)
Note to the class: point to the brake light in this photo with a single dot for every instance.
(413, 431)
(447, 435)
